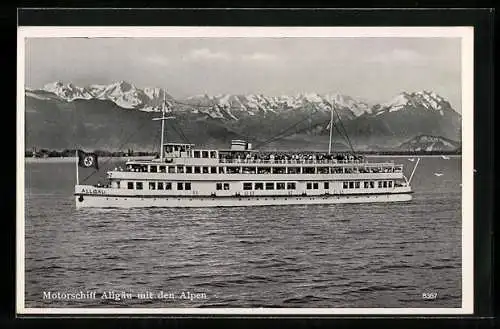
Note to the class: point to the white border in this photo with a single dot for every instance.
(466, 35)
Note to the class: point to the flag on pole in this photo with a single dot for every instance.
(87, 160)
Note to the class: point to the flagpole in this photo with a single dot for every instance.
(76, 165)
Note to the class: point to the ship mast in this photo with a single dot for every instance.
(331, 128)
(163, 118)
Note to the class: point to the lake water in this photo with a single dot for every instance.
(366, 255)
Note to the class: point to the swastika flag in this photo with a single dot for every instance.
(87, 160)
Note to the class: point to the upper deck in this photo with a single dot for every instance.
(182, 158)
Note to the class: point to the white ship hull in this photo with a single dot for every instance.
(99, 201)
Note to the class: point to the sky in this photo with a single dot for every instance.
(370, 69)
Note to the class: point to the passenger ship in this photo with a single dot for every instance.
(186, 176)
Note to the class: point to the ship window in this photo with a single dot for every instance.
(351, 184)
(308, 170)
(259, 186)
(327, 185)
(269, 186)
(380, 184)
(189, 170)
(263, 170)
(247, 186)
(171, 169)
(130, 185)
(197, 170)
(280, 186)
(323, 170)
(180, 169)
(226, 186)
(365, 184)
(290, 186)
(218, 186)
(390, 183)
(196, 154)
(187, 186)
(153, 168)
(168, 186)
(213, 154)
(385, 183)
(221, 170)
(357, 184)
(309, 186)
(138, 185)
(294, 170)
(160, 185)
(204, 154)
(372, 184)
(180, 186)
(279, 170)
(213, 170)
(315, 186)
(152, 185)
(345, 185)
(163, 169)
(205, 170)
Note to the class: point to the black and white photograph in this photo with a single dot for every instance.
(245, 170)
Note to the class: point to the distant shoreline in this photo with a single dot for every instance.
(73, 159)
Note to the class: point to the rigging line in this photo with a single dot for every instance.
(307, 128)
(176, 130)
(284, 131)
(338, 130)
(345, 131)
(280, 135)
(155, 141)
(181, 132)
(119, 149)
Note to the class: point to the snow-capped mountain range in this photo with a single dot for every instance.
(122, 93)
(128, 96)
(229, 106)
(218, 118)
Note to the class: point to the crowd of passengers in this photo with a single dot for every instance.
(282, 157)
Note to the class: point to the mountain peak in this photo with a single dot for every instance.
(424, 100)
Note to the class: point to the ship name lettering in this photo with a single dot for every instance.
(93, 191)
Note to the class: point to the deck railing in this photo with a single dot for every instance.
(304, 161)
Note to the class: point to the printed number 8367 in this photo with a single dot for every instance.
(429, 295)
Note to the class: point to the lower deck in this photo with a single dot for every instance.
(143, 201)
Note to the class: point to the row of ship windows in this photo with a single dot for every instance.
(159, 186)
(269, 186)
(367, 184)
(255, 170)
(260, 186)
